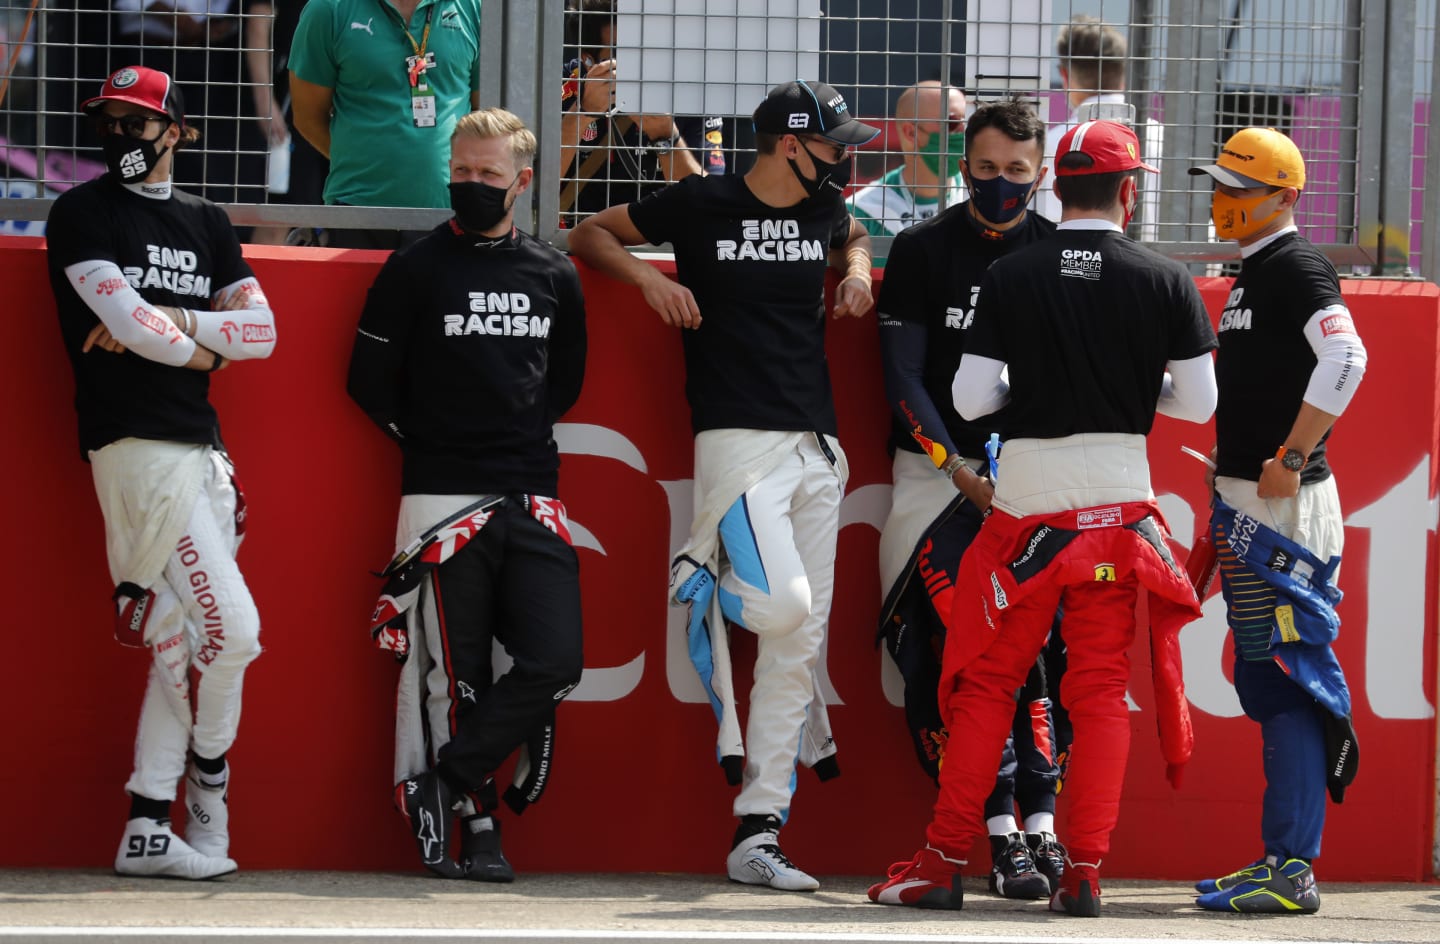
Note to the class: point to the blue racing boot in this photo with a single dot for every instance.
(1288, 888)
(1207, 885)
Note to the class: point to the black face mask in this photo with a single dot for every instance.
(478, 207)
(131, 159)
(830, 179)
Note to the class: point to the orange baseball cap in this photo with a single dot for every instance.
(1258, 157)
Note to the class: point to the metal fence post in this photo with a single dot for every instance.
(1430, 225)
(1191, 96)
(1397, 136)
(516, 40)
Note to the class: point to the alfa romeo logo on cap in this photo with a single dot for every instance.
(125, 78)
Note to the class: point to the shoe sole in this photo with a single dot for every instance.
(762, 883)
(178, 878)
(936, 899)
(1084, 905)
(1022, 887)
(1257, 902)
(493, 876)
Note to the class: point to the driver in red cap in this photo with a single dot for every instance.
(1097, 333)
(153, 296)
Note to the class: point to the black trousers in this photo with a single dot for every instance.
(518, 583)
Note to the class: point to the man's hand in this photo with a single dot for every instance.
(852, 297)
(674, 302)
(1276, 481)
(977, 490)
(597, 90)
(657, 127)
(238, 298)
(99, 336)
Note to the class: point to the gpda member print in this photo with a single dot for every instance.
(1074, 525)
(751, 254)
(471, 345)
(153, 296)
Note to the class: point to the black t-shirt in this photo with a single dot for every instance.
(1087, 320)
(174, 252)
(469, 349)
(1265, 361)
(631, 168)
(757, 360)
(932, 279)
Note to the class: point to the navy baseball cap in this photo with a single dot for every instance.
(811, 108)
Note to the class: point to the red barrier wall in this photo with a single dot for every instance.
(636, 745)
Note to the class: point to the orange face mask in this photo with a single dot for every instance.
(1235, 218)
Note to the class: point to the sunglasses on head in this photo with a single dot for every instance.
(132, 126)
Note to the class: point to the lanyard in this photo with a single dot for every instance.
(424, 37)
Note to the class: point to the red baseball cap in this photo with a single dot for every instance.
(1111, 146)
(138, 85)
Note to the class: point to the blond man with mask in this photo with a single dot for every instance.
(471, 345)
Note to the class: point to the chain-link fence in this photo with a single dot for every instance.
(628, 94)
(217, 51)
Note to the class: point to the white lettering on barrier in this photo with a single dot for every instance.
(617, 682)
(1395, 668)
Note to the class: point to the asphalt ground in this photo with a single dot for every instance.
(94, 906)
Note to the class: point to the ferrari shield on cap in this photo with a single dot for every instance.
(1111, 147)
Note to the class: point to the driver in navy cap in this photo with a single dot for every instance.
(751, 254)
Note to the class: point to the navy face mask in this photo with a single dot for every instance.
(999, 200)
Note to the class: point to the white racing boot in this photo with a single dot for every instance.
(757, 860)
(150, 849)
(207, 818)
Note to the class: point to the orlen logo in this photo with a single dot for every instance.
(149, 319)
(256, 332)
(226, 329)
(109, 286)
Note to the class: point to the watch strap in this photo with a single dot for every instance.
(1292, 459)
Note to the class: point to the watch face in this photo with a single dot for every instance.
(1294, 460)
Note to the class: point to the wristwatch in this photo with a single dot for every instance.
(1292, 459)
(664, 144)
